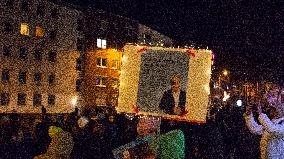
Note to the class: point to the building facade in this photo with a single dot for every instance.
(38, 55)
(105, 36)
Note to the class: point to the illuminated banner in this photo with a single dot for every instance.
(167, 82)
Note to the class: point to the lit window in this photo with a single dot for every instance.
(114, 64)
(5, 75)
(37, 99)
(21, 99)
(101, 43)
(25, 29)
(5, 98)
(51, 99)
(102, 62)
(39, 32)
(101, 81)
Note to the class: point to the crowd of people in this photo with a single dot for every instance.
(253, 131)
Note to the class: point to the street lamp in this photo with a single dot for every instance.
(225, 73)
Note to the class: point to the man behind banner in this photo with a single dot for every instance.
(173, 100)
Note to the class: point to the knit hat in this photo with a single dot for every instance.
(54, 130)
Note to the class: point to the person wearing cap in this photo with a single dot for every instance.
(173, 100)
(271, 125)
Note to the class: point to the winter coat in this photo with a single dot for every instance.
(272, 131)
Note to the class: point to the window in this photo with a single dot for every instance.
(147, 38)
(101, 43)
(6, 51)
(5, 75)
(79, 64)
(104, 25)
(80, 24)
(21, 99)
(25, 6)
(115, 83)
(37, 78)
(78, 85)
(51, 56)
(39, 32)
(51, 79)
(114, 64)
(40, 10)
(101, 81)
(54, 13)
(25, 29)
(10, 3)
(8, 27)
(23, 53)
(101, 62)
(37, 99)
(5, 98)
(22, 77)
(79, 44)
(52, 34)
(38, 55)
(51, 99)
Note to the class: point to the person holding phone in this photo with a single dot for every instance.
(271, 125)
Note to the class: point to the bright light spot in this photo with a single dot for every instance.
(124, 59)
(239, 103)
(74, 101)
(226, 96)
(225, 73)
(207, 88)
(213, 56)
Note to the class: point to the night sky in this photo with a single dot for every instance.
(246, 35)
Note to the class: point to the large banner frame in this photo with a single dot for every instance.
(146, 75)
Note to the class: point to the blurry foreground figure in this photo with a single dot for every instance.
(61, 144)
(150, 144)
(271, 125)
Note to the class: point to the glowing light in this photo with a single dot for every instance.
(25, 29)
(74, 101)
(124, 59)
(239, 103)
(225, 72)
(213, 56)
(226, 96)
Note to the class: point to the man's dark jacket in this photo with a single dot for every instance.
(168, 102)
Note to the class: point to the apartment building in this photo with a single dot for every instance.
(105, 36)
(39, 56)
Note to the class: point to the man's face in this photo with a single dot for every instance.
(274, 97)
(175, 84)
